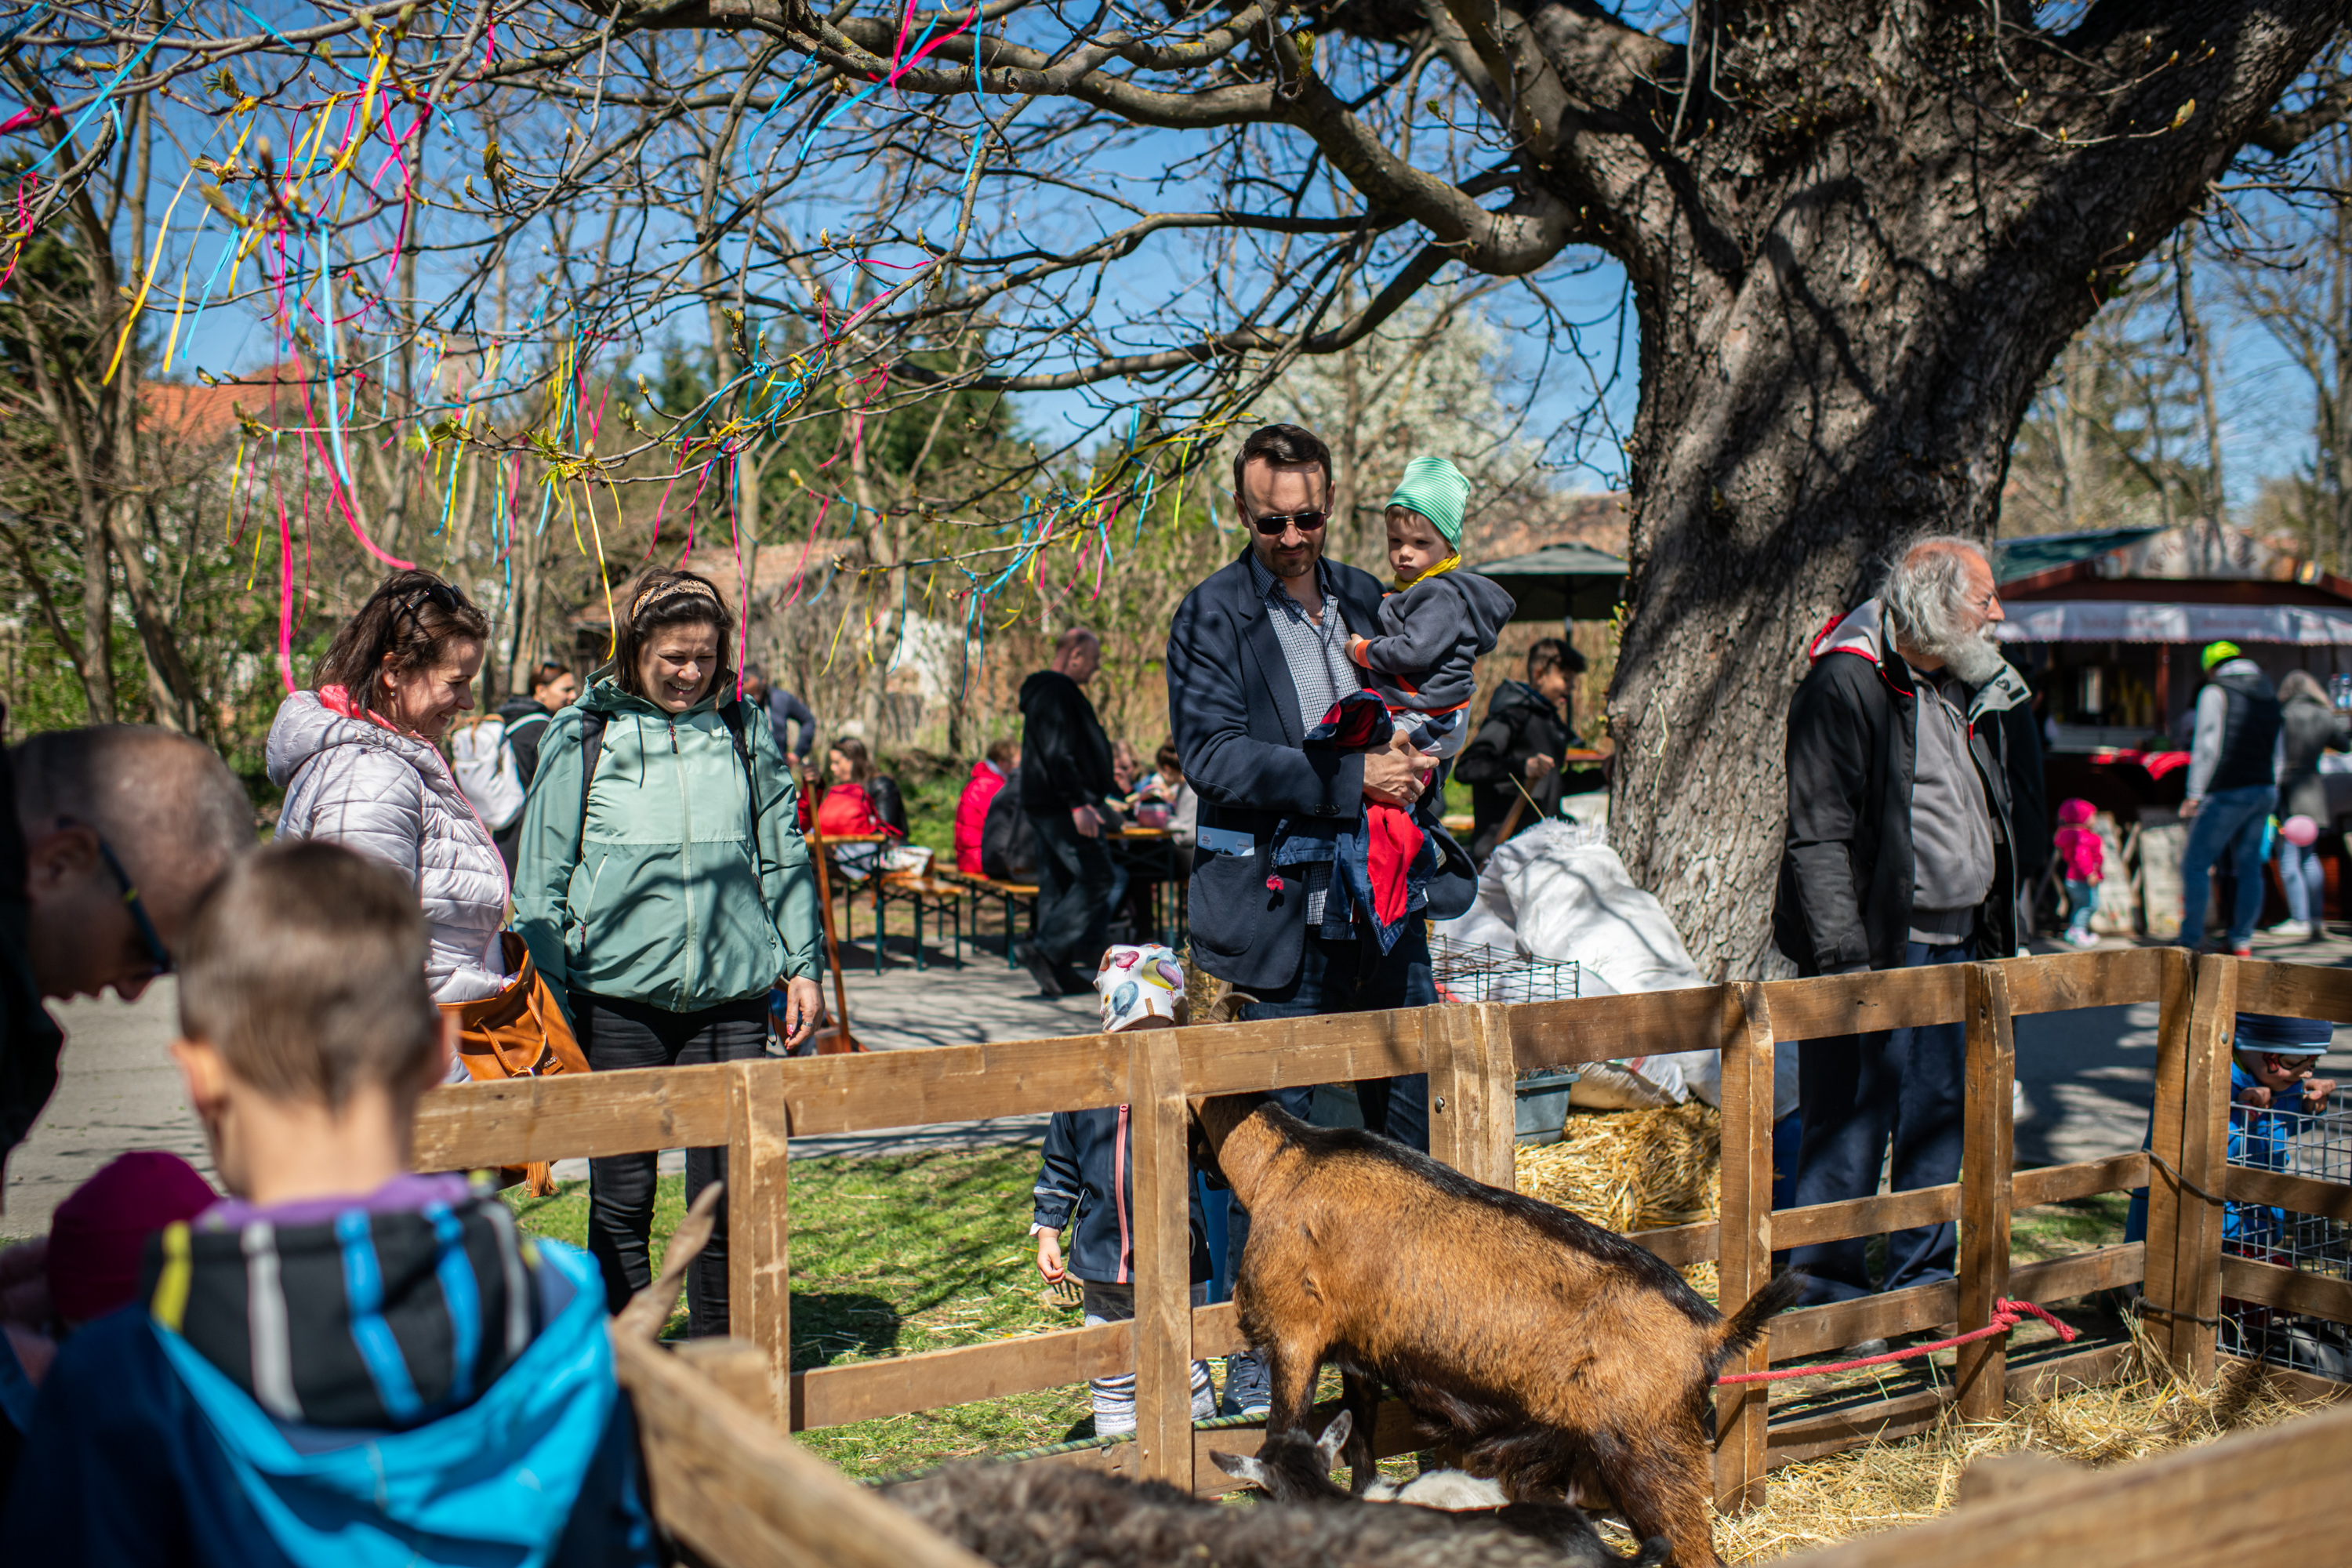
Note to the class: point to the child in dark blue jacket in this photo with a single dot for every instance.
(1087, 1186)
(344, 1364)
(2273, 1098)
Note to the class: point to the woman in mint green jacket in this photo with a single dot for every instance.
(668, 897)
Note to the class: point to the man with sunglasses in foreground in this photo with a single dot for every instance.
(1256, 657)
(114, 831)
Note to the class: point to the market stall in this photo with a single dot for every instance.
(2107, 627)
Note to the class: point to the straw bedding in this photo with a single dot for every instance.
(1884, 1485)
(1632, 1170)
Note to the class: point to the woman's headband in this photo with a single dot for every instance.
(674, 588)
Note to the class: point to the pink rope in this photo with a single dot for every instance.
(285, 596)
(2006, 1315)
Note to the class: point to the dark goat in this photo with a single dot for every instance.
(1289, 1468)
(1561, 1358)
(1049, 1515)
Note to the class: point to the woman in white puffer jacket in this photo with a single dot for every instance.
(361, 763)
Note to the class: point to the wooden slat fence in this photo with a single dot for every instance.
(1471, 1054)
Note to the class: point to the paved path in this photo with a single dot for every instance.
(2087, 1077)
(117, 1090)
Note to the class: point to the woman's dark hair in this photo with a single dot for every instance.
(411, 619)
(661, 598)
(861, 766)
(547, 672)
(1171, 760)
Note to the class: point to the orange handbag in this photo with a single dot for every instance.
(517, 1033)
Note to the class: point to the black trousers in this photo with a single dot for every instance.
(616, 1034)
(1074, 882)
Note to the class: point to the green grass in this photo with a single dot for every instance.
(2078, 1225)
(893, 1255)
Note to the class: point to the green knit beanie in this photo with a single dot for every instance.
(1437, 489)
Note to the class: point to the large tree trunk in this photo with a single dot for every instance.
(1837, 359)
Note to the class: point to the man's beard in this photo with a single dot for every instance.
(1974, 658)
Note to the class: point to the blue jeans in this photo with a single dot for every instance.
(1348, 976)
(2231, 822)
(2305, 879)
(1858, 1091)
(2082, 903)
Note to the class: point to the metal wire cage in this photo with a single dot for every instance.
(1475, 972)
(2294, 1143)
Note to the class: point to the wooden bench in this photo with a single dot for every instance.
(920, 889)
(1013, 893)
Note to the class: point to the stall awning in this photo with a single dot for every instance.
(2122, 620)
(1560, 583)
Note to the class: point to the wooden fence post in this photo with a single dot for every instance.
(1986, 1155)
(2161, 1295)
(1163, 1258)
(1473, 1111)
(2204, 1162)
(1500, 1064)
(1744, 1259)
(759, 1223)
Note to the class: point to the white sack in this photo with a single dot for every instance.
(1487, 922)
(1590, 808)
(1572, 898)
(1568, 896)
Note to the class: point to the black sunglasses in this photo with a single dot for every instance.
(1276, 523)
(159, 957)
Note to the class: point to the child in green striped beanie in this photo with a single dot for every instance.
(1439, 620)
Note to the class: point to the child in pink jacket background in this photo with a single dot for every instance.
(2083, 861)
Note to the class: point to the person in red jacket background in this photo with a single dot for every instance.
(988, 776)
(859, 801)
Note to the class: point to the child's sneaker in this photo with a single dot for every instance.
(2294, 931)
(1249, 1391)
(2083, 938)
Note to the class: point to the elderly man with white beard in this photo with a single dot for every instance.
(1900, 853)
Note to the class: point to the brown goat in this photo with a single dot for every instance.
(1562, 1358)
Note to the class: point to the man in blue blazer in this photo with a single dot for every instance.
(1255, 657)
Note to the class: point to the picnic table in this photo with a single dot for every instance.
(1150, 855)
